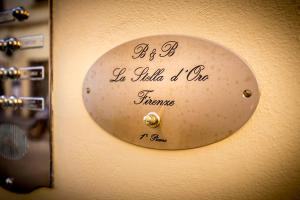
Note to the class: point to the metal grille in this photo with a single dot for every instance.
(13, 142)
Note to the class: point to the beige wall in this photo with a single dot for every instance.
(260, 161)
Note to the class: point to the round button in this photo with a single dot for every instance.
(152, 119)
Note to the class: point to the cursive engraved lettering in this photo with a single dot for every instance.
(168, 48)
(153, 137)
(195, 74)
(140, 50)
(118, 75)
(175, 77)
(145, 99)
(142, 74)
(143, 135)
(152, 54)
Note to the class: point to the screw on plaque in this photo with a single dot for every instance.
(20, 13)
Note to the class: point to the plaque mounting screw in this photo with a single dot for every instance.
(88, 90)
(152, 120)
(247, 93)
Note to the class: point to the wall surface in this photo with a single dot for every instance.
(260, 161)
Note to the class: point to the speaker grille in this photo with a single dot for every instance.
(13, 142)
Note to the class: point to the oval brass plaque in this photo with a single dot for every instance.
(170, 92)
